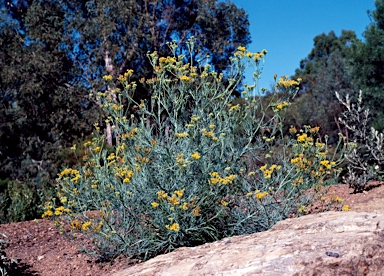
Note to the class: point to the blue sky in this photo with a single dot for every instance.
(286, 29)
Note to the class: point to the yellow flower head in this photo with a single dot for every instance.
(292, 130)
(224, 203)
(345, 208)
(326, 164)
(162, 195)
(173, 200)
(185, 78)
(86, 225)
(107, 78)
(260, 195)
(195, 155)
(241, 49)
(196, 211)
(174, 227)
(302, 210)
(179, 193)
(76, 224)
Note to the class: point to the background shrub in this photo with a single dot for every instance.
(366, 159)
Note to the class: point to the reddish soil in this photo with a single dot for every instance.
(39, 249)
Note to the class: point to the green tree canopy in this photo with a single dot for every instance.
(325, 70)
(109, 37)
(54, 53)
(368, 66)
(40, 114)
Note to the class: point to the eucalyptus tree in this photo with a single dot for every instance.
(55, 52)
(368, 66)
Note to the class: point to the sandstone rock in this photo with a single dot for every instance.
(332, 243)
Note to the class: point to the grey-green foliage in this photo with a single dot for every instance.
(183, 176)
(365, 161)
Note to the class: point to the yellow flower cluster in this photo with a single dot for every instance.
(86, 225)
(224, 203)
(70, 172)
(302, 210)
(345, 208)
(76, 224)
(298, 181)
(185, 78)
(195, 119)
(234, 107)
(268, 172)
(210, 133)
(292, 130)
(285, 82)
(180, 158)
(174, 227)
(164, 61)
(48, 212)
(141, 160)
(130, 134)
(196, 211)
(243, 53)
(301, 162)
(111, 157)
(207, 133)
(174, 200)
(281, 106)
(125, 77)
(117, 107)
(161, 195)
(124, 172)
(328, 165)
(127, 176)
(195, 155)
(107, 78)
(60, 210)
(182, 134)
(258, 194)
(314, 130)
(336, 199)
(304, 138)
(88, 143)
(216, 178)
(268, 139)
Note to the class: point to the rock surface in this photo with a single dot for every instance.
(332, 243)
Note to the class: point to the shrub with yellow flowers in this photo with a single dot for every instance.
(179, 173)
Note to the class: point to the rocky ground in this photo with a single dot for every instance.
(39, 249)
